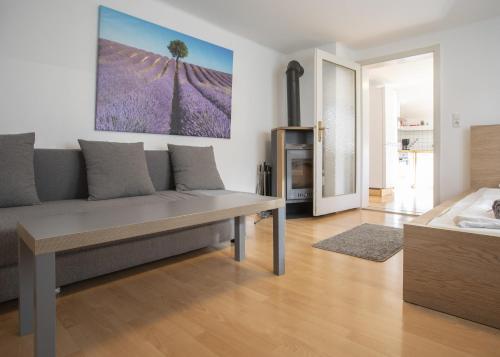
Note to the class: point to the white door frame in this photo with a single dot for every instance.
(365, 120)
(324, 205)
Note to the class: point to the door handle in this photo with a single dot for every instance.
(321, 129)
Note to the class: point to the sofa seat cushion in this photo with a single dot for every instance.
(17, 171)
(10, 216)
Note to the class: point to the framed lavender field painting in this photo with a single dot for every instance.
(151, 79)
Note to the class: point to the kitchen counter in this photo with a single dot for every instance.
(415, 153)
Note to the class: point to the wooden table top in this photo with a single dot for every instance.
(76, 230)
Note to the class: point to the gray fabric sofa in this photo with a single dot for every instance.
(61, 183)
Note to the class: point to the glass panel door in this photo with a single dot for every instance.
(339, 120)
(337, 133)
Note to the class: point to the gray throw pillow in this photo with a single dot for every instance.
(17, 172)
(116, 170)
(194, 168)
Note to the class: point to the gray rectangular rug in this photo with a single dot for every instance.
(367, 241)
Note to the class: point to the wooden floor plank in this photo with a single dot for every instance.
(206, 304)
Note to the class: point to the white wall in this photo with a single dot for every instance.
(376, 140)
(391, 154)
(417, 102)
(48, 66)
(469, 85)
(383, 154)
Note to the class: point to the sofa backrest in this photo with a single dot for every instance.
(60, 173)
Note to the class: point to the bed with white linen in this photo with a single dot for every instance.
(452, 253)
(473, 213)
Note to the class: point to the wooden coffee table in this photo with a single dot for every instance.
(41, 238)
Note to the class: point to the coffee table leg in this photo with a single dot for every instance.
(26, 293)
(45, 305)
(239, 238)
(279, 241)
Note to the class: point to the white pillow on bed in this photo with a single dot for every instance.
(478, 214)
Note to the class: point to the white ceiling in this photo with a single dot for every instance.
(412, 79)
(290, 25)
(409, 71)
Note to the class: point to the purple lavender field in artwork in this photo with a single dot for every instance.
(140, 91)
(151, 79)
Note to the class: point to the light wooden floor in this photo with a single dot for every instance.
(404, 200)
(206, 304)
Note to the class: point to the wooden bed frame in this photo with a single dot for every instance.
(450, 270)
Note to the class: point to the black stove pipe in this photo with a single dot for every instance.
(293, 72)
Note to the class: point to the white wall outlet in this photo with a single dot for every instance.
(455, 120)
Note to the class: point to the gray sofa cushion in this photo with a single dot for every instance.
(17, 173)
(116, 169)
(194, 168)
(71, 180)
(159, 169)
(69, 183)
(10, 216)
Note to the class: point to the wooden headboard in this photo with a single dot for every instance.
(485, 156)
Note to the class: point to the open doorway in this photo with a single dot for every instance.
(399, 103)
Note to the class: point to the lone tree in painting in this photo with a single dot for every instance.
(178, 49)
